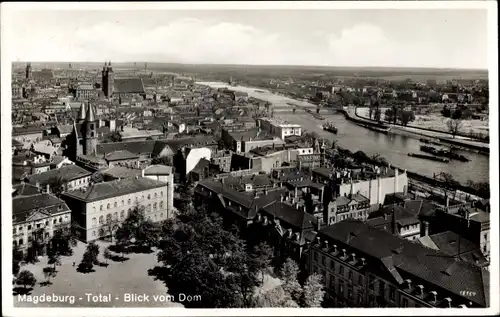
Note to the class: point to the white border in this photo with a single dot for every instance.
(6, 129)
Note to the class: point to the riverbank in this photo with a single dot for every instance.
(458, 142)
(393, 147)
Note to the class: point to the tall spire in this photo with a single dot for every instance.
(90, 113)
(81, 114)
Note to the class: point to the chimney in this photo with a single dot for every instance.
(385, 216)
(426, 228)
(37, 185)
(319, 224)
(447, 201)
(318, 241)
(363, 261)
(48, 188)
(434, 296)
(297, 205)
(297, 236)
(334, 248)
(326, 244)
(394, 228)
(344, 253)
(396, 180)
(421, 289)
(265, 191)
(353, 257)
(282, 198)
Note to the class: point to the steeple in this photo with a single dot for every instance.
(90, 114)
(81, 113)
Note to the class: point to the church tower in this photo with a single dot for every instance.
(108, 80)
(81, 114)
(29, 73)
(90, 135)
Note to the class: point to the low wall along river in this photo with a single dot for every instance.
(394, 148)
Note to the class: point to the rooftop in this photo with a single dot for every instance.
(120, 155)
(24, 206)
(404, 257)
(158, 170)
(65, 174)
(100, 191)
(129, 86)
(121, 172)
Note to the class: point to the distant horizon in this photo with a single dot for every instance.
(141, 63)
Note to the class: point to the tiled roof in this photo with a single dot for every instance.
(23, 206)
(136, 147)
(120, 155)
(25, 190)
(158, 170)
(65, 173)
(121, 172)
(288, 214)
(115, 188)
(28, 130)
(129, 86)
(410, 258)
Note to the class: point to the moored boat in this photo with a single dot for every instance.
(429, 157)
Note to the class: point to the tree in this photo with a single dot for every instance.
(446, 111)
(54, 257)
(26, 278)
(457, 114)
(275, 297)
(15, 267)
(115, 136)
(406, 116)
(136, 226)
(61, 243)
(389, 115)
(262, 257)
(313, 291)
(92, 252)
(107, 254)
(289, 275)
(377, 114)
(86, 264)
(110, 225)
(48, 273)
(360, 157)
(454, 126)
(57, 185)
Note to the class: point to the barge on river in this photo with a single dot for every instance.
(443, 153)
(430, 157)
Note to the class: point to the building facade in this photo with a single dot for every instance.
(99, 209)
(37, 217)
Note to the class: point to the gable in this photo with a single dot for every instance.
(38, 215)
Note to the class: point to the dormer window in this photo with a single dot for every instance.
(408, 283)
(420, 290)
(448, 302)
(434, 296)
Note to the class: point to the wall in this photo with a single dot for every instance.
(195, 155)
(169, 180)
(376, 189)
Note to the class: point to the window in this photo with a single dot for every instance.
(405, 302)
(155, 205)
(332, 282)
(149, 196)
(360, 297)
(315, 255)
(20, 241)
(360, 280)
(323, 260)
(349, 293)
(14, 243)
(332, 265)
(142, 197)
(392, 293)
(341, 287)
(371, 281)
(108, 206)
(161, 193)
(94, 221)
(156, 195)
(161, 204)
(46, 223)
(115, 204)
(149, 208)
(123, 202)
(122, 214)
(115, 215)
(341, 270)
(129, 201)
(381, 286)
(108, 217)
(350, 275)
(14, 230)
(55, 221)
(60, 219)
(101, 219)
(161, 215)
(29, 227)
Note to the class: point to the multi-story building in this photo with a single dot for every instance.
(37, 217)
(98, 209)
(222, 159)
(347, 207)
(366, 267)
(279, 128)
(375, 187)
(70, 177)
(163, 174)
(85, 91)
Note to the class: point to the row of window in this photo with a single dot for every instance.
(123, 214)
(129, 201)
(102, 232)
(39, 225)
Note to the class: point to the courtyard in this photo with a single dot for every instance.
(112, 282)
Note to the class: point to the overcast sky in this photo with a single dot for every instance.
(393, 38)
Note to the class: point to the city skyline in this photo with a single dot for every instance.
(339, 38)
